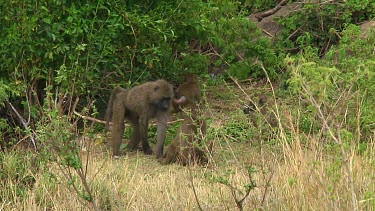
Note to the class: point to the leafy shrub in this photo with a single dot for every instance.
(344, 91)
(323, 22)
(237, 128)
(60, 146)
(78, 51)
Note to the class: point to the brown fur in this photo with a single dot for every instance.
(264, 106)
(192, 91)
(138, 105)
(183, 149)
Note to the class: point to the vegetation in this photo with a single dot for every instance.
(59, 60)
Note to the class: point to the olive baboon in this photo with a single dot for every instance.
(183, 149)
(138, 105)
(189, 89)
(191, 94)
(252, 107)
(265, 107)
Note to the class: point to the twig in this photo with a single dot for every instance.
(91, 118)
(110, 123)
(338, 141)
(266, 188)
(267, 33)
(272, 11)
(86, 187)
(195, 191)
(248, 189)
(23, 121)
(294, 33)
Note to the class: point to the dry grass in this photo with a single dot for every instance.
(290, 176)
(300, 180)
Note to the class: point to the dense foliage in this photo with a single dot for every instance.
(76, 52)
(323, 23)
(61, 57)
(342, 84)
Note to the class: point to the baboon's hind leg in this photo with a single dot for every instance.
(136, 137)
(118, 127)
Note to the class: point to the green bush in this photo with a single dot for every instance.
(342, 84)
(78, 51)
(323, 22)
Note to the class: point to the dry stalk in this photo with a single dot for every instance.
(194, 190)
(337, 139)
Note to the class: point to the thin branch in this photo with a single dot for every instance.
(91, 118)
(338, 141)
(23, 121)
(110, 123)
(272, 11)
(86, 187)
(195, 191)
(56, 94)
(266, 188)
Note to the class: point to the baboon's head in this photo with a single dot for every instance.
(249, 108)
(187, 94)
(191, 78)
(161, 94)
(263, 100)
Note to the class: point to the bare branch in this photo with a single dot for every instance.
(272, 11)
(338, 141)
(110, 123)
(23, 121)
(194, 190)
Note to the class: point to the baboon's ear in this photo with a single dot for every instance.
(156, 88)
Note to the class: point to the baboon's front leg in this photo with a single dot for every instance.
(162, 127)
(143, 129)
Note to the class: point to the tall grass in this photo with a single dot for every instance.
(294, 170)
(298, 179)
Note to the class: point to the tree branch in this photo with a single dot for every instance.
(272, 11)
(23, 121)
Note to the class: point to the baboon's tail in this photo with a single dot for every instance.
(109, 112)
